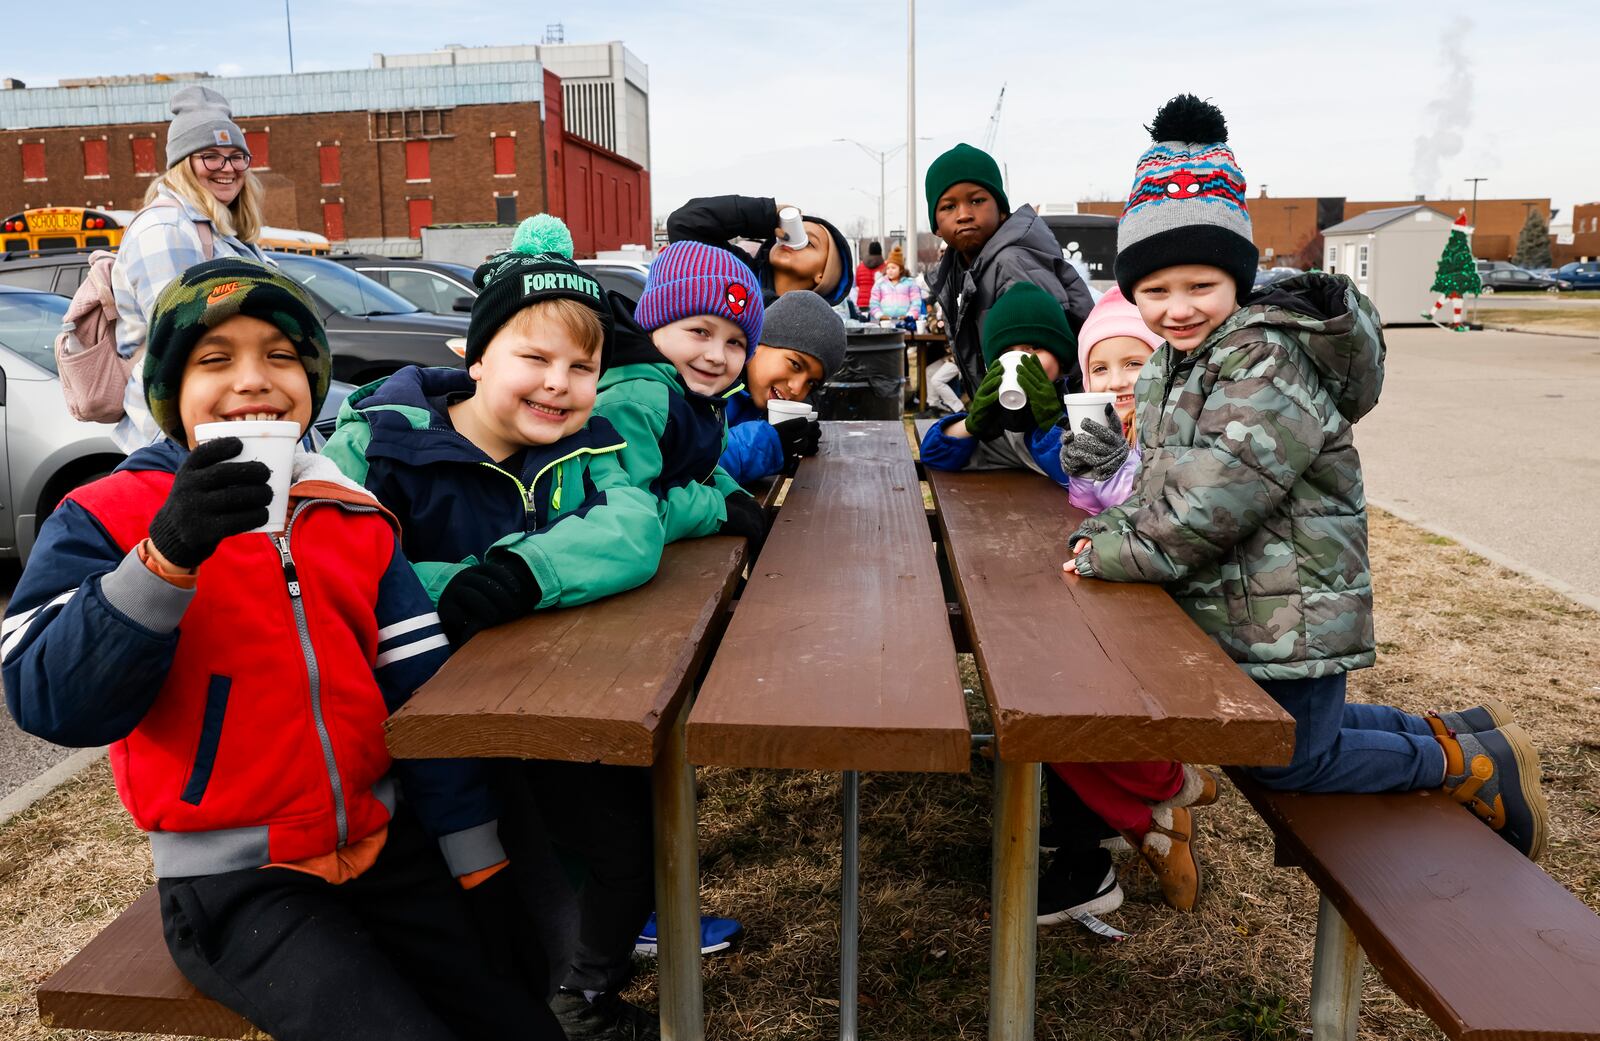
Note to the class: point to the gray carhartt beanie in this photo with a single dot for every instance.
(201, 118)
(804, 322)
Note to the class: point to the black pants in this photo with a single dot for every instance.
(391, 955)
(581, 836)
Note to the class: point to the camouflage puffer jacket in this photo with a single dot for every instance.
(1248, 506)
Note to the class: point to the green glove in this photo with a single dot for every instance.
(1043, 401)
(986, 416)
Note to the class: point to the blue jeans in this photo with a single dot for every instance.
(1350, 748)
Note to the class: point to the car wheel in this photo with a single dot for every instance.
(1552, 289)
(1488, 290)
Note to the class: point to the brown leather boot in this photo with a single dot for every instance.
(1168, 847)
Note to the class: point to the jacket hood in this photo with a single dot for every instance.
(1024, 229)
(1336, 326)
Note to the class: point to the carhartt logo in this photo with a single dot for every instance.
(551, 281)
(226, 289)
(222, 137)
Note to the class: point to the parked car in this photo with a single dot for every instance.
(1583, 274)
(1268, 275)
(45, 453)
(1502, 276)
(48, 271)
(432, 285)
(618, 276)
(372, 330)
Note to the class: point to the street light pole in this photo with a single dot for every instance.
(1475, 181)
(288, 27)
(882, 160)
(911, 137)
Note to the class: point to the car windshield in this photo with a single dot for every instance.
(29, 323)
(346, 291)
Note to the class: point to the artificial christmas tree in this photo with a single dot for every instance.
(1456, 275)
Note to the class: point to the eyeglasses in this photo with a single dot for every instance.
(215, 161)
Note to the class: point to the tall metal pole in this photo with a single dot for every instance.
(912, 261)
(883, 224)
(288, 27)
(1475, 181)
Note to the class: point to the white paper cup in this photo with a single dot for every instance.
(794, 229)
(269, 441)
(779, 410)
(1012, 396)
(1089, 405)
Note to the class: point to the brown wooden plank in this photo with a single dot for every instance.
(124, 980)
(1081, 670)
(839, 655)
(1457, 922)
(585, 684)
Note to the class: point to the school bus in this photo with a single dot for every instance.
(80, 227)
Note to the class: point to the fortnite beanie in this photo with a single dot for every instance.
(1187, 205)
(538, 266)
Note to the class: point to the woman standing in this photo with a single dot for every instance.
(896, 294)
(207, 204)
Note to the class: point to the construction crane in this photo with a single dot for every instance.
(994, 121)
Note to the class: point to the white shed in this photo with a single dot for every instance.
(1391, 255)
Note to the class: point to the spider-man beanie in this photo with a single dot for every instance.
(1187, 205)
(690, 278)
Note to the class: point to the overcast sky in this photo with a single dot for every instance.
(1362, 98)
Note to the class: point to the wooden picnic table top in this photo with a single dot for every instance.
(839, 655)
(584, 684)
(1081, 670)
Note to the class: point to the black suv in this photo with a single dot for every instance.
(432, 285)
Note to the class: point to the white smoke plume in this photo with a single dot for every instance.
(1447, 117)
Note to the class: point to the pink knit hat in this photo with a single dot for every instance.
(1113, 316)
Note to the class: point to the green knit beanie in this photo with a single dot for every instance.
(205, 296)
(963, 163)
(1026, 315)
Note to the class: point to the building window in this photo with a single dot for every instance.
(505, 156)
(505, 209)
(95, 161)
(420, 212)
(256, 142)
(1333, 257)
(1361, 262)
(144, 156)
(33, 161)
(408, 124)
(328, 163)
(333, 220)
(417, 161)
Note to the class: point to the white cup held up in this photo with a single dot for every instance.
(1088, 405)
(779, 410)
(1012, 396)
(793, 228)
(270, 441)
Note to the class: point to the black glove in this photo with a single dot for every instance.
(746, 518)
(1098, 452)
(799, 437)
(486, 595)
(510, 936)
(210, 500)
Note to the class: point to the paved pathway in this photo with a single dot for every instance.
(1492, 438)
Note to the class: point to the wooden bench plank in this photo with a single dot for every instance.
(1457, 922)
(124, 980)
(1082, 670)
(839, 655)
(585, 684)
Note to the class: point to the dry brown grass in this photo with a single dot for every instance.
(1452, 627)
(1542, 319)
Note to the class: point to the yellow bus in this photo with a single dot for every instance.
(80, 227)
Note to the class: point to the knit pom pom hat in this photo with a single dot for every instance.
(1187, 205)
(538, 266)
(1112, 316)
(205, 296)
(690, 278)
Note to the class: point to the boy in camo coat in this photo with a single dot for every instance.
(1248, 506)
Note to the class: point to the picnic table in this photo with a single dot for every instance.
(924, 344)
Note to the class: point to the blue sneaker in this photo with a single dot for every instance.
(716, 935)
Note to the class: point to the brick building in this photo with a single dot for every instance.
(365, 157)
(1585, 244)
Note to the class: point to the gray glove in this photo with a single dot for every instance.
(1098, 452)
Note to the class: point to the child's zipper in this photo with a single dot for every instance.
(291, 578)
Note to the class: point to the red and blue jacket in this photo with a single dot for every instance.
(245, 715)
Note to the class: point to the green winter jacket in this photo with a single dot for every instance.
(674, 439)
(1248, 506)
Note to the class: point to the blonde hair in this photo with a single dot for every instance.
(578, 321)
(240, 218)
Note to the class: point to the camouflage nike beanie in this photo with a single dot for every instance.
(204, 297)
(1187, 205)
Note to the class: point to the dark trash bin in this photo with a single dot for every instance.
(872, 381)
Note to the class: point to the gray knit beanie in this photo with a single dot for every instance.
(1187, 205)
(804, 322)
(201, 119)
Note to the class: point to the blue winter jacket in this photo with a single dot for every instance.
(754, 450)
(940, 451)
